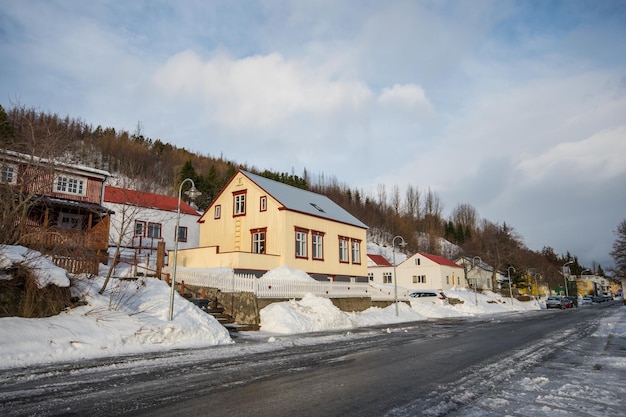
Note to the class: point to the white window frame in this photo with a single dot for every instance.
(356, 251)
(66, 184)
(218, 212)
(258, 240)
(239, 204)
(140, 228)
(387, 278)
(344, 255)
(8, 174)
(317, 246)
(301, 243)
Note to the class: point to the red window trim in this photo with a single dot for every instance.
(258, 230)
(305, 231)
(261, 208)
(360, 254)
(347, 240)
(321, 234)
(245, 206)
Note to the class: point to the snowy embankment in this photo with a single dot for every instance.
(131, 316)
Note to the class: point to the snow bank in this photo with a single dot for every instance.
(46, 272)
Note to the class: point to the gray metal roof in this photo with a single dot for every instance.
(303, 201)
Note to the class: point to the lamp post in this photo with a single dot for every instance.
(476, 280)
(395, 281)
(192, 193)
(508, 271)
(565, 275)
(583, 271)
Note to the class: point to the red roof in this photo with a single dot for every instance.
(379, 260)
(440, 260)
(147, 200)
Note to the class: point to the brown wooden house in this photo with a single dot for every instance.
(56, 209)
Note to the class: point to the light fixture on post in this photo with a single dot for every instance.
(476, 279)
(565, 276)
(395, 281)
(192, 193)
(508, 270)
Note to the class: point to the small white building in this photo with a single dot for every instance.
(145, 219)
(419, 272)
(478, 274)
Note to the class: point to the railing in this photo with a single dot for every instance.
(57, 236)
(281, 288)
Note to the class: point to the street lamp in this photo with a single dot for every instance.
(476, 279)
(192, 193)
(508, 271)
(395, 281)
(565, 276)
(583, 271)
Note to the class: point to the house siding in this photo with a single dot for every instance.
(227, 241)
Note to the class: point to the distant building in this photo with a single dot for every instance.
(145, 219)
(419, 271)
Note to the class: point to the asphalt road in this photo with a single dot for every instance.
(369, 372)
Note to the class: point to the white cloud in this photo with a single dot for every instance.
(261, 91)
(596, 158)
(407, 98)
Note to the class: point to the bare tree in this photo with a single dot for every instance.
(619, 250)
(413, 202)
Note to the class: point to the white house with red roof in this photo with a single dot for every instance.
(421, 271)
(145, 219)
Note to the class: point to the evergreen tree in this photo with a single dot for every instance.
(619, 250)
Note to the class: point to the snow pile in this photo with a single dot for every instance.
(288, 273)
(315, 314)
(47, 273)
(129, 317)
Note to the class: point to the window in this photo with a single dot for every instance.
(69, 185)
(301, 242)
(218, 212)
(343, 249)
(263, 204)
(8, 174)
(239, 208)
(387, 278)
(317, 245)
(419, 279)
(417, 261)
(154, 230)
(70, 221)
(370, 276)
(140, 228)
(447, 280)
(356, 251)
(182, 233)
(258, 240)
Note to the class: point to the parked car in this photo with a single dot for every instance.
(555, 301)
(429, 296)
(574, 300)
(587, 301)
(567, 302)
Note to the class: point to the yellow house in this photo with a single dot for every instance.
(256, 224)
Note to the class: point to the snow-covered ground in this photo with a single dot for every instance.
(132, 317)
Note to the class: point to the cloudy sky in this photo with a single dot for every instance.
(515, 107)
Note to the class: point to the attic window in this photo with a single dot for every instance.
(317, 207)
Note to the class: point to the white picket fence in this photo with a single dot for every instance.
(279, 288)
